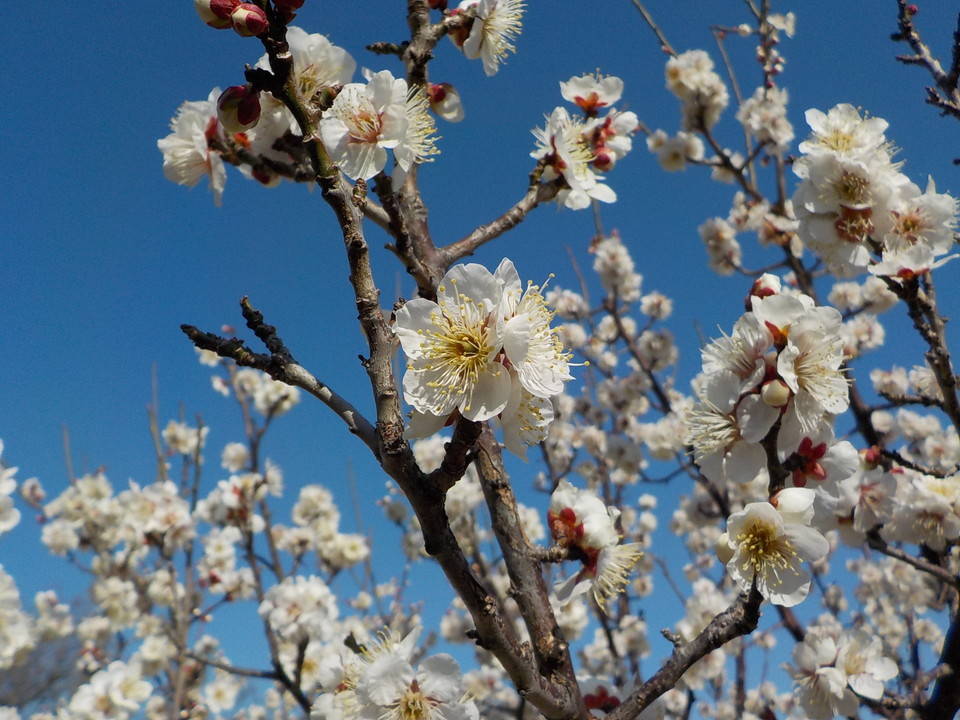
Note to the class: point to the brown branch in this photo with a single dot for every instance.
(536, 194)
(288, 372)
(740, 618)
(232, 669)
(877, 543)
(648, 18)
(527, 586)
(456, 458)
(946, 95)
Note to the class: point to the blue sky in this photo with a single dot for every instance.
(104, 258)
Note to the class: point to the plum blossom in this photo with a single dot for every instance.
(592, 92)
(187, 156)
(564, 149)
(452, 346)
(496, 25)
(486, 348)
(367, 120)
(767, 542)
(582, 522)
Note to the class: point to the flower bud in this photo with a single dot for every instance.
(437, 4)
(775, 393)
(238, 108)
(445, 101)
(265, 177)
(216, 13)
(604, 160)
(288, 8)
(764, 286)
(459, 35)
(722, 548)
(249, 20)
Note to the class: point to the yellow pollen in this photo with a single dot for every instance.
(765, 551)
(365, 127)
(852, 189)
(413, 705)
(838, 140)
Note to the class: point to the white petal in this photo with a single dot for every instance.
(490, 395)
(440, 678)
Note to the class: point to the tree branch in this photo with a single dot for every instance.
(740, 618)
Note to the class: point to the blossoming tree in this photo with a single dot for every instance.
(779, 504)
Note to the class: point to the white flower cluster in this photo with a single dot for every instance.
(300, 608)
(484, 349)
(367, 120)
(833, 668)
(575, 149)
(17, 636)
(9, 515)
(384, 682)
(691, 77)
(854, 204)
(581, 522)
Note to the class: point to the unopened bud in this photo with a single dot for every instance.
(437, 4)
(912, 9)
(216, 13)
(775, 393)
(445, 101)
(459, 34)
(288, 8)
(238, 108)
(265, 176)
(722, 548)
(249, 20)
(764, 286)
(604, 161)
(871, 457)
(743, 30)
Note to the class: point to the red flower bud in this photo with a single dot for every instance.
(912, 9)
(216, 13)
(288, 8)
(249, 20)
(604, 160)
(437, 4)
(238, 108)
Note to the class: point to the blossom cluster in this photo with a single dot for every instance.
(857, 210)
(484, 349)
(583, 524)
(575, 150)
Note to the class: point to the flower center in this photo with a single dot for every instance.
(458, 350)
(766, 551)
(364, 126)
(851, 188)
(838, 140)
(413, 704)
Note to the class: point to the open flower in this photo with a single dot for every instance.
(581, 522)
(497, 25)
(767, 543)
(564, 148)
(187, 157)
(363, 122)
(452, 347)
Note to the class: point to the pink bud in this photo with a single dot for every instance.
(912, 9)
(288, 8)
(445, 101)
(604, 161)
(249, 20)
(238, 108)
(216, 13)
